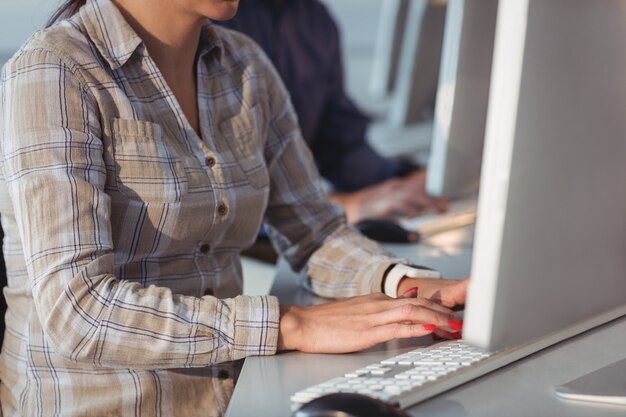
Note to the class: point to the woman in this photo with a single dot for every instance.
(141, 148)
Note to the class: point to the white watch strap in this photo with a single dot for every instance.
(399, 271)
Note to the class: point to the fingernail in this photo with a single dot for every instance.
(456, 335)
(429, 327)
(410, 293)
(455, 325)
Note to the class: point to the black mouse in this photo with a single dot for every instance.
(386, 231)
(346, 404)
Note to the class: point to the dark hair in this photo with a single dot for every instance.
(67, 9)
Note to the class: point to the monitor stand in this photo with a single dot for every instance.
(606, 385)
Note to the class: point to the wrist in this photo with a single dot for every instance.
(407, 283)
(289, 325)
(395, 276)
(426, 287)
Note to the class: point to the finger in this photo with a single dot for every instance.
(400, 205)
(376, 303)
(415, 313)
(447, 335)
(455, 294)
(364, 304)
(432, 305)
(448, 293)
(400, 331)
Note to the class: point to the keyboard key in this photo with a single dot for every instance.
(389, 379)
(380, 371)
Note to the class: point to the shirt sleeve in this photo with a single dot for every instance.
(55, 175)
(306, 228)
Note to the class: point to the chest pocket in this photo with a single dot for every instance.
(243, 135)
(146, 169)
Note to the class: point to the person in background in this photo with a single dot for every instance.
(3, 283)
(141, 147)
(302, 40)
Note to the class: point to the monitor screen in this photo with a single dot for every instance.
(462, 98)
(550, 246)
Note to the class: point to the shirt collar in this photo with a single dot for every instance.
(210, 42)
(117, 41)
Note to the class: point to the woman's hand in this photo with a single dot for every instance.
(361, 322)
(446, 292)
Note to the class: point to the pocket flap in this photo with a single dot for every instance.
(139, 129)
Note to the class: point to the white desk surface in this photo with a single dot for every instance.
(523, 388)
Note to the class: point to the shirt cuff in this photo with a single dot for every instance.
(399, 271)
(256, 326)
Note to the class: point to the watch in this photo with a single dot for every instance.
(398, 271)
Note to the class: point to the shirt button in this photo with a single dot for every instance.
(210, 161)
(205, 248)
(208, 291)
(222, 209)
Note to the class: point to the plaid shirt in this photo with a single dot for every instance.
(124, 227)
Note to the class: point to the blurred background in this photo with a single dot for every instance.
(357, 18)
(18, 20)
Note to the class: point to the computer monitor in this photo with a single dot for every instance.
(462, 98)
(408, 63)
(389, 36)
(549, 256)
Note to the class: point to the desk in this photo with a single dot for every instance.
(523, 388)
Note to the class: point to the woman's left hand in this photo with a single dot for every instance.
(446, 292)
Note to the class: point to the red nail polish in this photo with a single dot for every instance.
(455, 325)
(456, 335)
(429, 327)
(410, 293)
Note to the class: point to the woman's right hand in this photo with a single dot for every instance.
(361, 322)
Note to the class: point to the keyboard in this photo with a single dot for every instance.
(406, 379)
